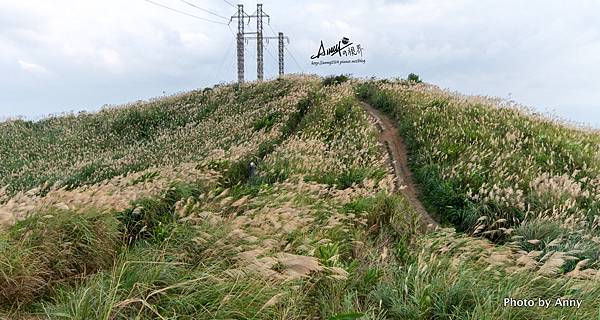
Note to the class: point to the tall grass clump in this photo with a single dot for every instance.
(150, 218)
(58, 247)
(154, 282)
(447, 278)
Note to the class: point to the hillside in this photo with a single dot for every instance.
(499, 172)
(151, 210)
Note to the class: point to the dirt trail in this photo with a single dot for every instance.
(394, 143)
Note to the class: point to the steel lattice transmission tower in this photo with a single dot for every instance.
(260, 38)
(280, 39)
(259, 43)
(240, 42)
(260, 14)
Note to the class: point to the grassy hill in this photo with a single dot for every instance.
(150, 211)
(499, 172)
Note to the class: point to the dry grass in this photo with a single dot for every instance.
(498, 170)
(317, 232)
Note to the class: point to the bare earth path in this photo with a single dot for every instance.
(390, 137)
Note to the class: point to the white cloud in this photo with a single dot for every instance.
(111, 59)
(32, 67)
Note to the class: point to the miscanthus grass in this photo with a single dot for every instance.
(179, 229)
(77, 149)
(498, 170)
(169, 223)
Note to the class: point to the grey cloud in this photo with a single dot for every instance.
(545, 53)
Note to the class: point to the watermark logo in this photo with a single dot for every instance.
(345, 50)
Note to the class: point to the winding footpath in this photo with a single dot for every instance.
(390, 137)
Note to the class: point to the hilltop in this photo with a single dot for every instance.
(152, 210)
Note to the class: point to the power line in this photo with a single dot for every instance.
(273, 31)
(205, 10)
(233, 33)
(225, 57)
(288, 51)
(183, 13)
(272, 56)
(294, 58)
(229, 3)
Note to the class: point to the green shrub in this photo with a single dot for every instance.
(150, 218)
(414, 78)
(266, 122)
(237, 173)
(335, 80)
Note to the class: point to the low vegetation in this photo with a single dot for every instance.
(177, 226)
(497, 171)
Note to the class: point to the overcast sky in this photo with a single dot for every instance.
(70, 55)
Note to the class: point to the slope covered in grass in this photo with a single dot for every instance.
(500, 172)
(175, 226)
(188, 205)
(80, 149)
